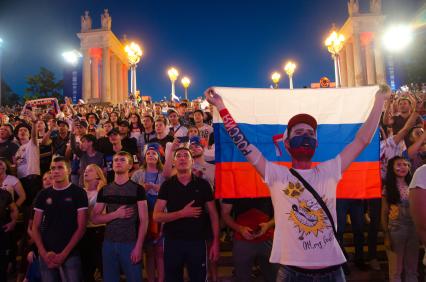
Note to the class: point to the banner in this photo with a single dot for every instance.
(263, 113)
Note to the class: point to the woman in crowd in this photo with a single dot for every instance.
(91, 243)
(114, 119)
(136, 126)
(10, 183)
(401, 242)
(150, 175)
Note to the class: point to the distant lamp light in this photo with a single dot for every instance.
(275, 77)
(398, 37)
(185, 83)
(173, 75)
(71, 57)
(289, 69)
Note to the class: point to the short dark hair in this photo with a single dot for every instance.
(90, 138)
(183, 148)
(59, 159)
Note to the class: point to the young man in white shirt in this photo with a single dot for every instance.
(304, 244)
(418, 201)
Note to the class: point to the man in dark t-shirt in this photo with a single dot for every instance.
(252, 221)
(8, 216)
(8, 149)
(189, 202)
(62, 211)
(126, 220)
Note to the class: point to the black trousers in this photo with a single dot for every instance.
(91, 252)
(181, 253)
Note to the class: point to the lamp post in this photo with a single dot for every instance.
(71, 79)
(289, 69)
(334, 44)
(1, 43)
(396, 39)
(185, 83)
(275, 77)
(173, 75)
(134, 54)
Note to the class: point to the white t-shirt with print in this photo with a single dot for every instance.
(8, 184)
(303, 235)
(28, 160)
(419, 178)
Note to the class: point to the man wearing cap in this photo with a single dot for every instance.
(86, 154)
(7, 147)
(58, 138)
(304, 253)
(176, 129)
(27, 160)
(114, 146)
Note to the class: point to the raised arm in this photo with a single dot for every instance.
(408, 125)
(366, 132)
(252, 154)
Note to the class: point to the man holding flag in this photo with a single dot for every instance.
(305, 247)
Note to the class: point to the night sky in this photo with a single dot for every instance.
(222, 42)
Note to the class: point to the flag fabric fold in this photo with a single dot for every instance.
(262, 115)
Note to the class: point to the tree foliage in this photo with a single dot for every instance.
(43, 85)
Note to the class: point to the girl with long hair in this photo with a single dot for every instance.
(91, 244)
(150, 176)
(401, 242)
(136, 126)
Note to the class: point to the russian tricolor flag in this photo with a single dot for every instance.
(264, 113)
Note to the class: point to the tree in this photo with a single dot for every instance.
(8, 97)
(43, 85)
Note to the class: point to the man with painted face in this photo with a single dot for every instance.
(304, 243)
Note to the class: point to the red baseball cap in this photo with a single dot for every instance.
(302, 118)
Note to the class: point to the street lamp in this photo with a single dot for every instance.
(275, 77)
(173, 75)
(289, 70)
(134, 54)
(185, 83)
(398, 37)
(72, 57)
(334, 44)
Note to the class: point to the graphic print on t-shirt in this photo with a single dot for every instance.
(307, 217)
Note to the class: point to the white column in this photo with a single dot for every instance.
(343, 68)
(369, 64)
(350, 64)
(86, 75)
(359, 77)
(113, 79)
(95, 80)
(125, 82)
(379, 63)
(119, 75)
(106, 76)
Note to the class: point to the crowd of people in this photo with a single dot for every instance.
(93, 191)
